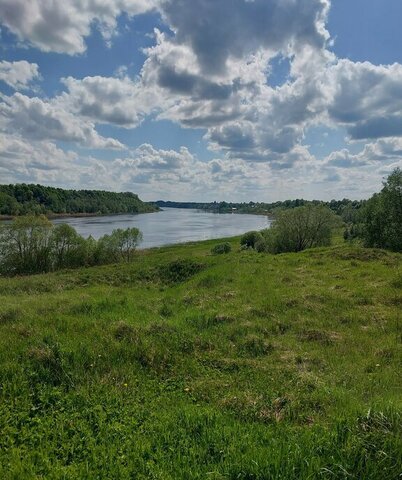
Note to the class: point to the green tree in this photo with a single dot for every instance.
(300, 228)
(36, 199)
(119, 245)
(127, 240)
(382, 215)
(69, 249)
(31, 244)
(25, 245)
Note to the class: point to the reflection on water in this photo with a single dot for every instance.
(172, 225)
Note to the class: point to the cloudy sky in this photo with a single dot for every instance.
(208, 100)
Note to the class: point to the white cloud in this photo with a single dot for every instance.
(212, 71)
(218, 31)
(47, 120)
(62, 25)
(365, 98)
(384, 151)
(117, 101)
(25, 161)
(147, 157)
(180, 175)
(244, 116)
(18, 75)
(43, 162)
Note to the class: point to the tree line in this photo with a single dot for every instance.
(23, 199)
(32, 244)
(343, 207)
(376, 223)
(379, 223)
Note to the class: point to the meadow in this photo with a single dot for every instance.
(188, 365)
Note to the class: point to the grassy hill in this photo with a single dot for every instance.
(184, 365)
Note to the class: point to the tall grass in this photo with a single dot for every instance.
(189, 365)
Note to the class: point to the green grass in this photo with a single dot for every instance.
(187, 365)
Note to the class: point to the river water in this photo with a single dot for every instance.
(171, 225)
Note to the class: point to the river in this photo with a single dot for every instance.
(171, 225)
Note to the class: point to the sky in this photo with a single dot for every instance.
(202, 100)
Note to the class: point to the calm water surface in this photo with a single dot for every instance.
(171, 225)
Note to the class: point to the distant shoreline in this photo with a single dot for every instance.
(56, 216)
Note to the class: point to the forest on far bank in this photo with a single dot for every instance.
(23, 199)
(345, 207)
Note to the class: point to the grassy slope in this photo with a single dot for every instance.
(257, 367)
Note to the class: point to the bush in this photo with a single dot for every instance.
(261, 245)
(68, 247)
(25, 245)
(250, 239)
(221, 248)
(294, 230)
(119, 245)
(32, 244)
(300, 228)
(178, 270)
(352, 232)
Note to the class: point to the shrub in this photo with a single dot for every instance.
(221, 248)
(352, 232)
(249, 239)
(32, 244)
(261, 245)
(119, 245)
(25, 245)
(69, 249)
(300, 228)
(178, 270)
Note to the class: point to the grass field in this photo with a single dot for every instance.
(185, 365)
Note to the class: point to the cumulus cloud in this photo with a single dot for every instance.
(61, 26)
(214, 82)
(243, 115)
(37, 119)
(147, 157)
(218, 31)
(365, 98)
(33, 161)
(274, 24)
(18, 75)
(179, 174)
(117, 101)
(211, 70)
(41, 161)
(385, 151)
(147, 164)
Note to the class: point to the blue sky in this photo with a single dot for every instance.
(203, 100)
